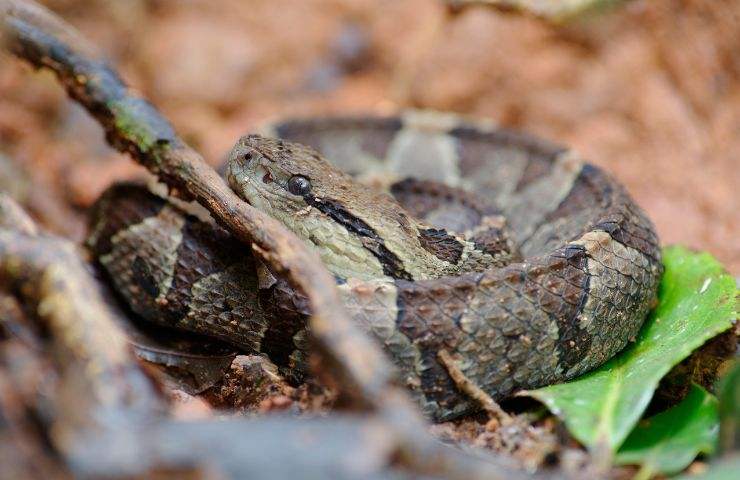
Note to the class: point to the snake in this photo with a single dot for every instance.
(473, 254)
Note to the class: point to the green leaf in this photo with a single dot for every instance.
(729, 409)
(724, 469)
(697, 301)
(669, 441)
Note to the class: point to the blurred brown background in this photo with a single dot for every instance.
(650, 90)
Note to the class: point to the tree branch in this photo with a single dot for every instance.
(133, 125)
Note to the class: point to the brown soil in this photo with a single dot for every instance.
(650, 91)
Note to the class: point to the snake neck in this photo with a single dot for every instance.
(358, 232)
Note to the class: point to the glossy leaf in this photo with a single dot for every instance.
(669, 441)
(697, 301)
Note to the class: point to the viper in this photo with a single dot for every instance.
(472, 254)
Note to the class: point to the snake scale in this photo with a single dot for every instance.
(510, 257)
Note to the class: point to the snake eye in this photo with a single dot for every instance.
(248, 157)
(299, 185)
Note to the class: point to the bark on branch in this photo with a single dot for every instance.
(133, 125)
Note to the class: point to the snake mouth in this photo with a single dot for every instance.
(241, 181)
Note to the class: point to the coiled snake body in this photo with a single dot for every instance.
(519, 263)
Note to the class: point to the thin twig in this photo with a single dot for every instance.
(555, 11)
(133, 125)
(472, 390)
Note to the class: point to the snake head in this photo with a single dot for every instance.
(273, 175)
(282, 178)
(347, 221)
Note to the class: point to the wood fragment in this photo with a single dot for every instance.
(134, 125)
(472, 390)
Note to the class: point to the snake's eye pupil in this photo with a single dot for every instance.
(247, 157)
(299, 185)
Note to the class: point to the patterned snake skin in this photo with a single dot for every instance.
(572, 276)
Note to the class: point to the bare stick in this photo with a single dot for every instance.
(555, 11)
(100, 384)
(472, 390)
(133, 125)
